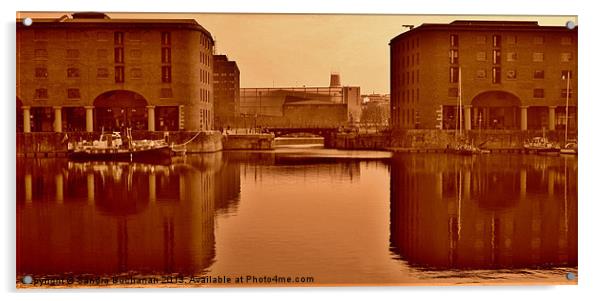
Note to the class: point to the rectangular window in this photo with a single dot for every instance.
(166, 55)
(72, 35)
(135, 36)
(119, 55)
(564, 74)
(102, 72)
(453, 74)
(41, 53)
(40, 35)
(481, 73)
(73, 93)
(119, 74)
(511, 56)
(165, 38)
(538, 56)
(102, 36)
(497, 55)
(453, 40)
(136, 73)
(41, 72)
(453, 56)
(538, 74)
(566, 40)
(538, 93)
(136, 53)
(566, 57)
(497, 41)
(496, 73)
(72, 72)
(118, 38)
(511, 40)
(481, 56)
(72, 53)
(41, 93)
(102, 53)
(166, 74)
(511, 74)
(563, 93)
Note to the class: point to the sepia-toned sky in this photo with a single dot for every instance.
(278, 50)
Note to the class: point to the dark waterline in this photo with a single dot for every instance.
(343, 217)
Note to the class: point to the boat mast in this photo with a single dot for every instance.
(566, 111)
(460, 100)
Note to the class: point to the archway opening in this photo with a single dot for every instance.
(120, 109)
(496, 110)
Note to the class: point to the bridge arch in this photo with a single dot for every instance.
(496, 110)
(117, 109)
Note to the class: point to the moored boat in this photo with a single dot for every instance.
(465, 149)
(110, 147)
(569, 149)
(540, 145)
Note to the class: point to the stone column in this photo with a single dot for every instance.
(523, 118)
(89, 118)
(551, 118)
(58, 120)
(26, 119)
(467, 117)
(150, 112)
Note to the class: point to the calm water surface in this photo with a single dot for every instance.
(342, 217)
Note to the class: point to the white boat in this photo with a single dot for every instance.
(569, 149)
(540, 145)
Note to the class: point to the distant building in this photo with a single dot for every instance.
(88, 72)
(376, 109)
(510, 75)
(303, 106)
(226, 90)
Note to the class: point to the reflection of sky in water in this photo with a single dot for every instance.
(339, 216)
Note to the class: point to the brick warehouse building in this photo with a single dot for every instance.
(226, 88)
(513, 76)
(87, 72)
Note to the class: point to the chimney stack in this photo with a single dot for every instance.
(335, 80)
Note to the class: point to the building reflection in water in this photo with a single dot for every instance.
(107, 218)
(486, 212)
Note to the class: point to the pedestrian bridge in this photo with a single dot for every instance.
(325, 132)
